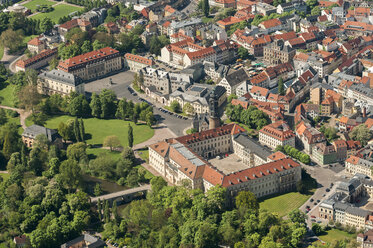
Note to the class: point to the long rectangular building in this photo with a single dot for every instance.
(94, 64)
(224, 156)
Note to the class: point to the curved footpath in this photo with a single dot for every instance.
(23, 114)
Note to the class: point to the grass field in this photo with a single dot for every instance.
(98, 129)
(94, 152)
(32, 4)
(5, 176)
(335, 234)
(7, 94)
(285, 203)
(144, 154)
(58, 12)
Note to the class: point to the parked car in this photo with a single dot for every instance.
(318, 201)
(327, 190)
(313, 216)
(313, 220)
(311, 200)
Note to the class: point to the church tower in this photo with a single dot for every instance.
(214, 120)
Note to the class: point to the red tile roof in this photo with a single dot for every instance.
(259, 171)
(35, 42)
(86, 58)
(271, 23)
(212, 133)
(139, 59)
(279, 130)
(41, 56)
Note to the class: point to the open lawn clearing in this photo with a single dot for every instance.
(32, 4)
(7, 95)
(97, 129)
(283, 204)
(58, 12)
(336, 234)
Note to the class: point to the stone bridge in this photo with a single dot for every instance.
(124, 196)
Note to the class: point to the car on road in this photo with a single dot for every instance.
(327, 190)
(311, 200)
(307, 207)
(319, 221)
(185, 118)
(318, 201)
(331, 185)
(315, 203)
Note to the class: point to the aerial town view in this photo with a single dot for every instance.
(186, 123)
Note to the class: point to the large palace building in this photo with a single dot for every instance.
(226, 156)
(94, 64)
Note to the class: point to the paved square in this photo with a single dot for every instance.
(229, 164)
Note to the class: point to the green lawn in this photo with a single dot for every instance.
(285, 203)
(144, 154)
(5, 176)
(94, 152)
(7, 95)
(17, 121)
(58, 12)
(98, 129)
(32, 4)
(148, 175)
(335, 234)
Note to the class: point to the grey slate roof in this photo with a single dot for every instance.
(236, 77)
(93, 242)
(357, 211)
(252, 145)
(62, 77)
(35, 130)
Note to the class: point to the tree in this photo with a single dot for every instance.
(188, 109)
(81, 130)
(96, 45)
(317, 229)
(112, 141)
(243, 53)
(362, 134)
(106, 212)
(155, 45)
(46, 24)
(316, 11)
(97, 190)
(95, 105)
(206, 7)
(12, 40)
(311, 3)
(297, 216)
(86, 47)
(247, 200)
(65, 131)
(70, 174)
(53, 63)
(3, 117)
(76, 130)
(130, 136)
(150, 120)
(108, 106)
(231, 97)
(77, 152)
(29, 97)
(281, 88)
(175, 106)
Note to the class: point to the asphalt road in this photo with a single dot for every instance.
(120, 83)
